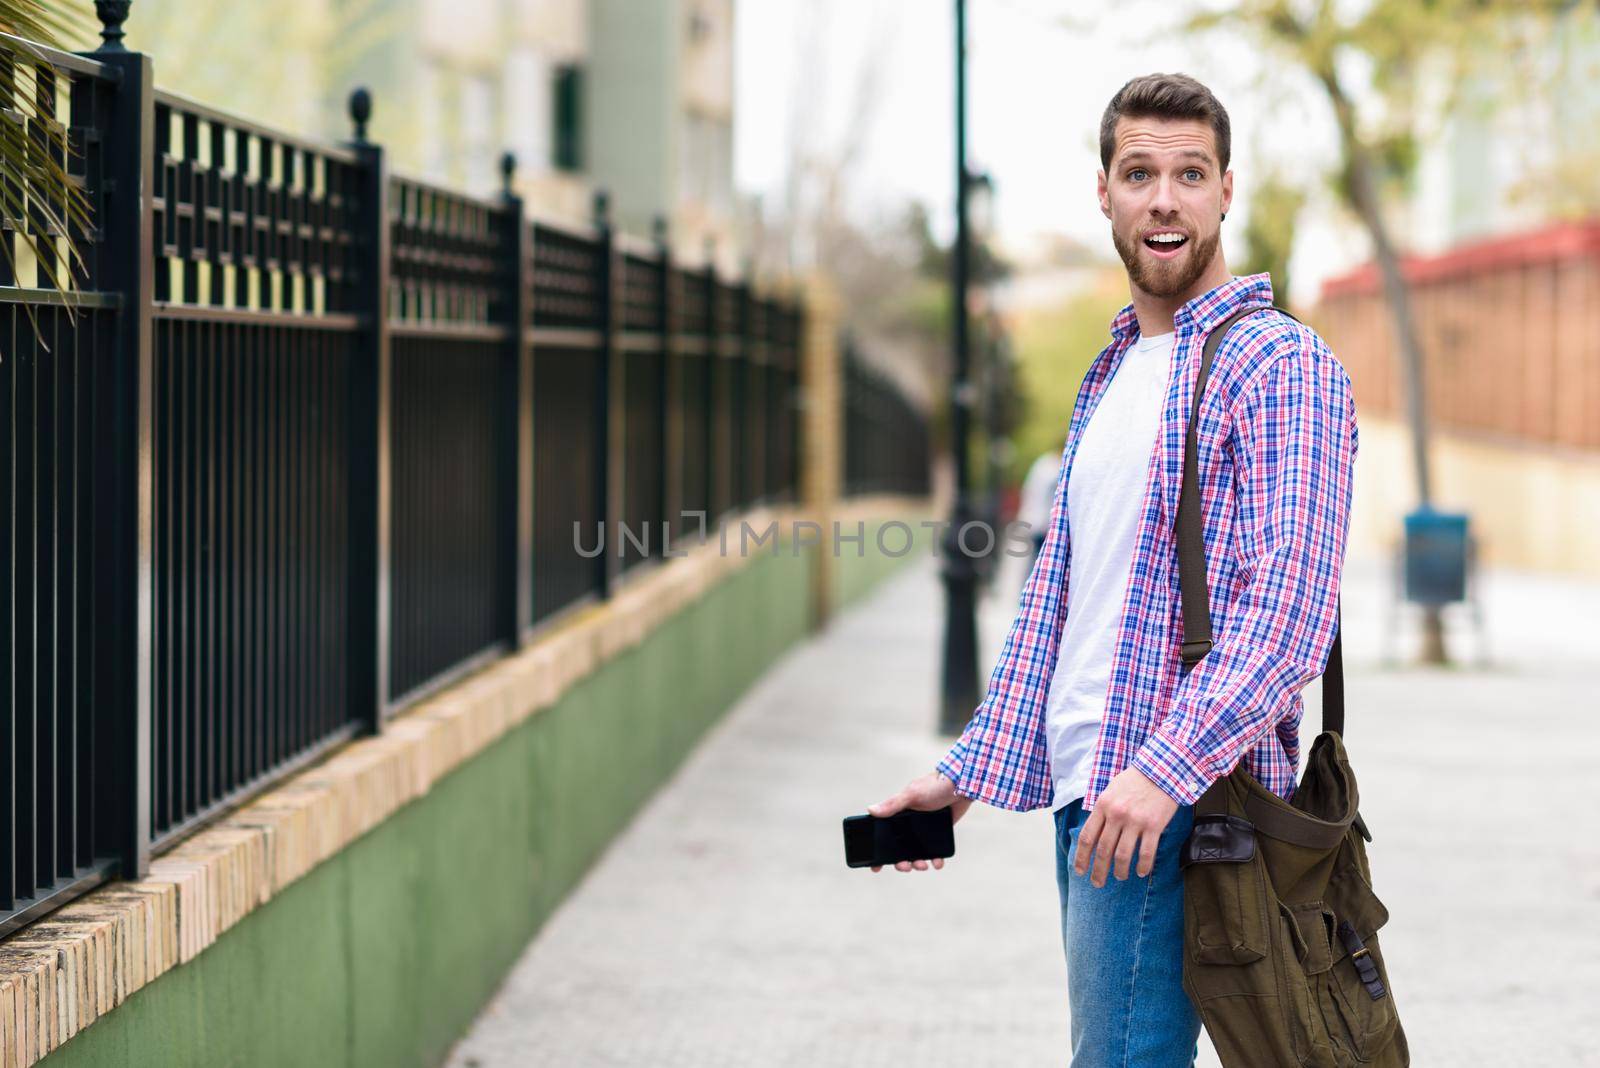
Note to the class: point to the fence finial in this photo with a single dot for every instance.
(112, 14)
(361, 111)
(658, 230)
(602, 208)
(711, 251)
(508, 171)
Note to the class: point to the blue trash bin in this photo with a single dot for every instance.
(1435, 557)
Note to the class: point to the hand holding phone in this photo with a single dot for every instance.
(908, 835)
(925, 794)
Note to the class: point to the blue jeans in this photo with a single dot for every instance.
(1124, 944)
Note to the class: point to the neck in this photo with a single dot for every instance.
(1155, 313)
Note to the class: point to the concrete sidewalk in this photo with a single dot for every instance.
(724, 929)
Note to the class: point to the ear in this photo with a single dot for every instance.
(1102, 193)
(1227, 192)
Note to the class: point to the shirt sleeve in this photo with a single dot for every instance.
(978, 762)
(996, 759)
(1293, 439)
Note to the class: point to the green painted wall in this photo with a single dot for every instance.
(857, 571)
(383, 955)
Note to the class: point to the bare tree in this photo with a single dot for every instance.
(1400, 42)
(879, 264)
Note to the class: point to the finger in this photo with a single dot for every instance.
(938, 863)
(1125, 846)
(904, 865)
(920, 865)
(1147, 854)
(1103, 853)
(1087, 837)
(888, 806)
(877, 867)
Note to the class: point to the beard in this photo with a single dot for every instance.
(1167, 278)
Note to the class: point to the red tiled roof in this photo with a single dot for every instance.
(1546, 245)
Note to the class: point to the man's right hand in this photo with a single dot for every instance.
(929, 793)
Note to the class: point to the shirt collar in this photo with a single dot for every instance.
(1125, 325)
(1206, 310)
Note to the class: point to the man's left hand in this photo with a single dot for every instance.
(1130, 814)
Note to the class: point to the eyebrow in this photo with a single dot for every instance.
(1188, 154)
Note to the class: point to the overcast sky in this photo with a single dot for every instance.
(1038, 80)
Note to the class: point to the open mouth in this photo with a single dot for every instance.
(1165, 242)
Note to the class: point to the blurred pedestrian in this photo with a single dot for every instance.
(1038, 494)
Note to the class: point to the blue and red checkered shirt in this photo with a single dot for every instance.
(1277, 444)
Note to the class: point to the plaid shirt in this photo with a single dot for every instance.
(1277, 443)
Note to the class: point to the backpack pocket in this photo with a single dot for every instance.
(1353, 993)
(1257, 1012)
(1227, 902)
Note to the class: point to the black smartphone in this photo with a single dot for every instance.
(907, 835)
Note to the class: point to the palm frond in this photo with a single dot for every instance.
(44, 209)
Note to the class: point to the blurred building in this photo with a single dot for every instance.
(1510, 331)
(634, 96)
(1501, 220)
(1515, 148)
(482, 77)
(662, 76)
(1509, 145)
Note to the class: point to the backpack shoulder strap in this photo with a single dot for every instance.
(1192, 547)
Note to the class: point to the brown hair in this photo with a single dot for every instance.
(1166, 96)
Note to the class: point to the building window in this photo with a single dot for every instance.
(528, 111)
(567, 120)
(477, 125)
(705, 164)
(433, 152)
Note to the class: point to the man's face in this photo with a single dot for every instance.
(1165, 195)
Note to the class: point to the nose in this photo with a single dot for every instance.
(1164, 199)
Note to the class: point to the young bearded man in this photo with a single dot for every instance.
(1089, 710)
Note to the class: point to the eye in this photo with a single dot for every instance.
(1193, 174)
(1138, 174)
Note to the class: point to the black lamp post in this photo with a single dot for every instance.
(959, 690)
(985, 372)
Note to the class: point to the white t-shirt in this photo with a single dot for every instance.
(1105, 493)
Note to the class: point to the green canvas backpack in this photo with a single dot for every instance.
(1281, 924)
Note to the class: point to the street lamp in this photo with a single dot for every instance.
(984, 367)
(980, 203)
(959, 683)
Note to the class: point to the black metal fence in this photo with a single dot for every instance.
(886, 439)
(313, 443)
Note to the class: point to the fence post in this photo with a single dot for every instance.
(124, 482)
(794, 396)
(760, 350)
(370, 381)
(609, 400)
(822, 431)
(777, 395)
(672, 432)
(719, 439)
(515, 439)
(744, 411)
